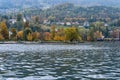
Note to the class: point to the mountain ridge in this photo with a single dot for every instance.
(37, 3)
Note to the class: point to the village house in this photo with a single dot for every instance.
(46, 22)
(68, 23)
(12, 21)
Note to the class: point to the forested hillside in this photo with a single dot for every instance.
(34, 3)
(61, 22)
(71, 13)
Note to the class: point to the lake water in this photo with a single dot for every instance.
(84, 61)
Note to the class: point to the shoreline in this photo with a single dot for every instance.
(37, 42)
(48, 42)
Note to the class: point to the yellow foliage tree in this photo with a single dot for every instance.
(4, 30)
(71, 34)
(52, 32)
(62, 38)
(1, 37)
(29, 37)
(60, 35)
(57, 38)
(35, 35)
(20, 35)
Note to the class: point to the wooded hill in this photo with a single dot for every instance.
(69, 12)
(35, 3)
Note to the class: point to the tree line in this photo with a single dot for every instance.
(96, 31)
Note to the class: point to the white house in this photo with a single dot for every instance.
(12, 21)
(68, 24)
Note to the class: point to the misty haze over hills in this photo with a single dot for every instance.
(6, 4)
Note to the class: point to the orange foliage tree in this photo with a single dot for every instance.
(98, 34)
(20, 35)
(1, 37)
(36, 35)
(47, 36)
(4, 30)
(13, 36)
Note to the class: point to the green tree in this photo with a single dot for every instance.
(91, 33)
(19, 17)
(83, 33)
(14, 34)
(51, 18)
(18, 25)
(37, 19)
(26, 25)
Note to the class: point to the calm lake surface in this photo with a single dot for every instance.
(84, 61)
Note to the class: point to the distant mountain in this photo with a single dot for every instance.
(87, 2)
(6, 4)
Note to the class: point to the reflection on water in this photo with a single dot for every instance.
(87, 61)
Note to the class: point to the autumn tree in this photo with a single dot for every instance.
(4, 30)
(26, 32)
(60, 35)
(98, 35)
(20, 35)
(52, 32)
(71, 34)
(36, 36)
(1, 37)
(47, 36)
(29, 37)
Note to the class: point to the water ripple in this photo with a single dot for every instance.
(59, 62)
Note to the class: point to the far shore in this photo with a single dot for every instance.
(38, 42)
(47, 42)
